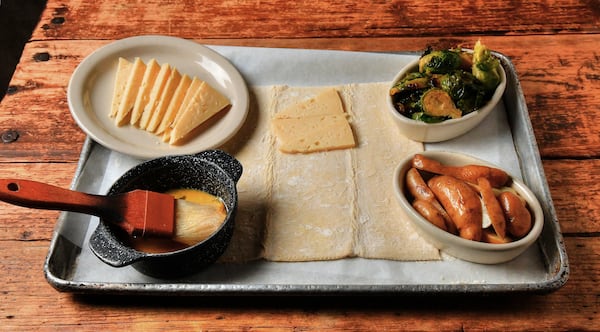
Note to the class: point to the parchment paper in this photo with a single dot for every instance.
(491, 141)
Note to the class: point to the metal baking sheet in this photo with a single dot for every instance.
(71, 267)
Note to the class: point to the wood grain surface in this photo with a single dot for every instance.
(552, 44)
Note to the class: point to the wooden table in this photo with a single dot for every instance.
(553, 45)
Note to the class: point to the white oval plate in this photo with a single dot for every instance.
(91, 86)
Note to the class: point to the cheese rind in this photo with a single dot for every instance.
(123, 70)
(131, 91)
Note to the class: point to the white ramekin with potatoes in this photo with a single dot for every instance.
(467, 207)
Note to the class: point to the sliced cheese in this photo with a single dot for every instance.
(174, 104)
(205, 104)
(123, 70)
(155, 93)
(314, 124)
(313, 133)
(326, 102)
(159, 99)
(166, 135)
(189, 95)
(131, 91)
(152, 69)
(164, 101)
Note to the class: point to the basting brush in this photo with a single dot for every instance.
(140, 213)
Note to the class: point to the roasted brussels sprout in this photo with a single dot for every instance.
(411, 82)
(449, 84)
(466, 91)
(408, 102)
(438, 103)
(485, 66)
(440, 62)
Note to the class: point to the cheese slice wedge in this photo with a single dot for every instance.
(123, 69)
(164, 101)
(313, 133)
(152, 69)
(155, 93)
(194, 86)
(131, 91)
(189, 95)
(326, 102)
(174, 104)
(205, 104)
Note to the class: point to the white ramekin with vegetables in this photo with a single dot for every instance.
(446, 93)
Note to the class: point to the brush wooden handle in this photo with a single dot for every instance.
(38, 195)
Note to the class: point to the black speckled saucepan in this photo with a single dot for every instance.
(214, 172)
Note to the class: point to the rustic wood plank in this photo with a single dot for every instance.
(27, 301)
(46, 130)
(574, 188)
(22, 224)
(38, 92)
(313, 19)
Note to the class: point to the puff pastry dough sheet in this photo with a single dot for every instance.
(324, 205)
(253, 147)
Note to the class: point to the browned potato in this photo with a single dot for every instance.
(469, 173)
(518, 218)
(462, 204)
